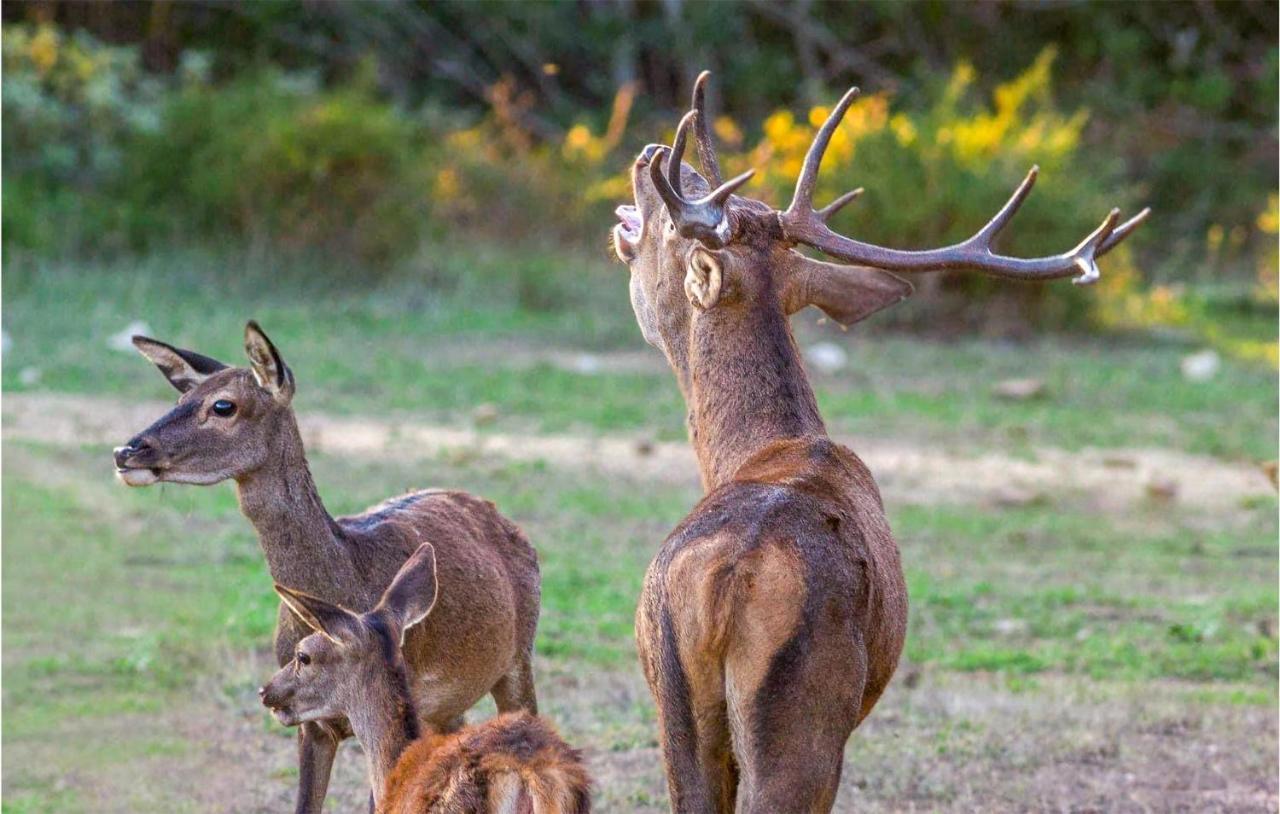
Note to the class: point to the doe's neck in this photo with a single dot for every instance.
(302, 542)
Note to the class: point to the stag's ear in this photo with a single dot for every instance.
(183, 368)
(704, 277)
(847, 294)
(268, 368)
(412, 594)
(325, 618)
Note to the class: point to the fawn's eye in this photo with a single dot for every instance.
(224, 408)
(303, 658)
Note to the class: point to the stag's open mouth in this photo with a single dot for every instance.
(627, 233)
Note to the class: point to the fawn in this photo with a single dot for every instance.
(773, 616)
(237, 423)
(351, 666)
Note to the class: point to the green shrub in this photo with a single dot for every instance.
(278, 160)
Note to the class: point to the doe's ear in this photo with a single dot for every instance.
(270, 371)
(183, 368)
(412, 593)
(847, 294)
(325, 618)
(704, 277)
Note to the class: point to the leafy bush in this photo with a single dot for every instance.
(71, 105)
(278, 160)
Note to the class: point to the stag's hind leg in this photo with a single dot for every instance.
(793, 717)
(678, 643)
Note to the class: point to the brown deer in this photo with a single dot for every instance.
(772, 618)
(351, 666)
(238, 423)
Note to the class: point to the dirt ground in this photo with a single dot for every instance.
(939, 740)
(907, 472)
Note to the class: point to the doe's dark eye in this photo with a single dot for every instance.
(303, 658)
(224, 408)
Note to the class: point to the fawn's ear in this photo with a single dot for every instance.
(183, 368)
(704, 277)
(412, 594)
(325, 618)
(847, 294)
(270, 371)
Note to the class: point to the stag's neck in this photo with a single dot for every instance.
(303, 544)
(387, 720)
(745, 386)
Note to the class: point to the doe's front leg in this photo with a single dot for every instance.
(317, 746)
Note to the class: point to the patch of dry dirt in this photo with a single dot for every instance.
(1112, 479)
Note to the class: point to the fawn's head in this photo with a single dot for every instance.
(693, 246)
(352, 660)
(226, 420)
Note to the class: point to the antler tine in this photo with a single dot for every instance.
(702, 133)
(987, 233)
(839, 203)
(1122, 231)
(808, 180)
(677, 151)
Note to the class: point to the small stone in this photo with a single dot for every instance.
(826, 357)
(1008, 627)
(29, 376)
(588, 364)
(485, 413)
(6, 342)
(1201, 366)
(644, 447)
(123, 341)
(1020, 389)
(1162, 490)
(1016, 497)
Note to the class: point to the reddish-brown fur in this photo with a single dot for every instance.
(514, 762)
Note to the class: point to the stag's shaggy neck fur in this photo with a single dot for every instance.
(745, 386)
(303, 544)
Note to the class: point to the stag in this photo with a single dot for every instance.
(772, 618)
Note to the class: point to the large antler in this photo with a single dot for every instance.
(703, 218)
(801, 223)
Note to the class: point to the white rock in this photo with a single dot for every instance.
(588, 364)
(1201, 366)
(826, 357)
(29, 375)
(6, 342)
(123, 341)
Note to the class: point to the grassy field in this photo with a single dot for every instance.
(1065, 652)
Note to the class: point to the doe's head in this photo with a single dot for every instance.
(351, 659)
(227, 419)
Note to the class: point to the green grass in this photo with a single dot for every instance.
(123, 609)
(396, 346)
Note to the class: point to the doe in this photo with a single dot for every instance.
(237, 423)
